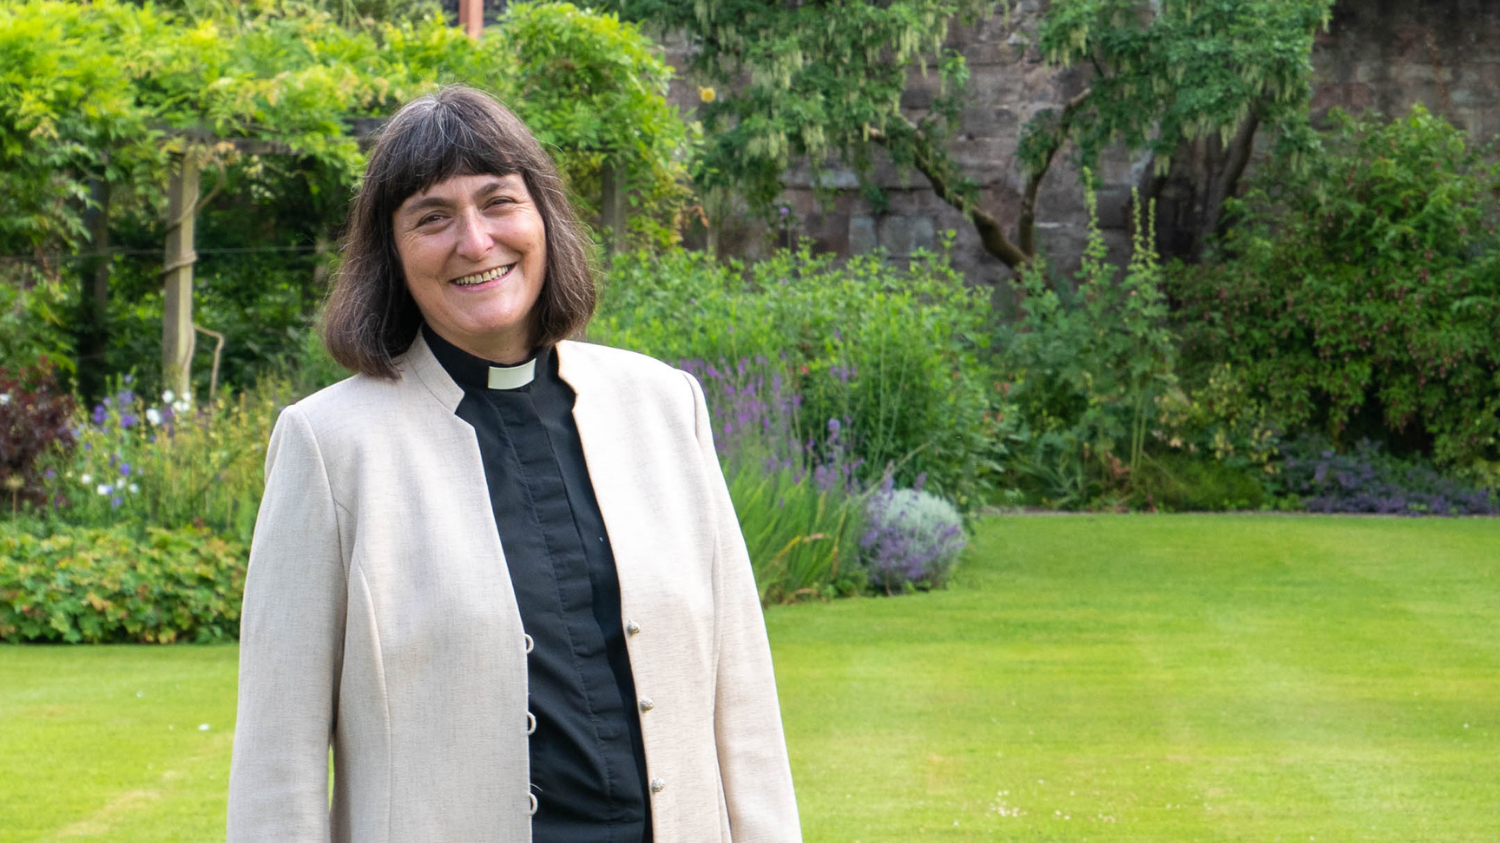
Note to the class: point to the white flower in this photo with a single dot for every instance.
(168, 397)
(182, 405)
(153, 415)
(203, 727)
(86, 479)
(104, 489)
(135, 488)
(4, 398)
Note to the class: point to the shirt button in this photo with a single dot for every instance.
(646, 704)
(657, 785)
(631, 627)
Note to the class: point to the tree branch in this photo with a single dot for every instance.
(928, 163)
(1026, 227)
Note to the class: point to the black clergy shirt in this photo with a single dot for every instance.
(588, 769)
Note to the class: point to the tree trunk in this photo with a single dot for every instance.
(93, 301)
(1190, 198)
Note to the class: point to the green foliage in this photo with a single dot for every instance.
(1086, 373)
(168, 463)
(34, 324)
(594, 90)
(105, 585)
(1182, 70)
(899, 357)
(811, 79)
(1359, 297)
(1184, 483)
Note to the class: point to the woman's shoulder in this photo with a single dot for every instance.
(620, 365)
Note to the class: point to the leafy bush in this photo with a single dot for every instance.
(912, 539)
(105, 585)
(1360, 294)
(1183, 483)
(35, 322)
(34, 417)
(169, 464)
(1368, 479)
(899, 356)
(1086, 373)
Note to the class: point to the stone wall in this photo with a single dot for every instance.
(1385, 54)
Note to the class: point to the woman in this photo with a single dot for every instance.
(499, 572)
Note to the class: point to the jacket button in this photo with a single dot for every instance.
(631, 627)
(530, 723)
(531, 808)
(657, 785)
(647, 705)
(530, 644)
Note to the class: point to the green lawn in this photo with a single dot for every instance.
(1110, 678)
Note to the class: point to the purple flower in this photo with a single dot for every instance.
(125, 469)
(99, 413)
(785, 210)
(49, 474)
(128, 420)
(116, 501)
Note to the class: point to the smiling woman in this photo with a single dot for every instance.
(498, 571)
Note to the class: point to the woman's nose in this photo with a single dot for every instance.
(474, 239)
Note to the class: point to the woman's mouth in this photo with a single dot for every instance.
(483, 277)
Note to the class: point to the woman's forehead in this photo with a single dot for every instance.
(465, 186)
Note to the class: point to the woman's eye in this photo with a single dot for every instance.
(430, 218)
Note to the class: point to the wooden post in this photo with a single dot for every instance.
(612, 207)
(471, 17)
(177, 309)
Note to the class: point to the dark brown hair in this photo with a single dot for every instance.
(456, 131)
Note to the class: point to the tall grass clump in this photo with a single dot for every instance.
(798, 502)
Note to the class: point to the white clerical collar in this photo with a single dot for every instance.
(512, 377)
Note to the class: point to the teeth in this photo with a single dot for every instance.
(490, 275)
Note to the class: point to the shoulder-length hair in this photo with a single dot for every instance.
(371, 317)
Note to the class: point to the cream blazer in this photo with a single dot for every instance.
(379, 619)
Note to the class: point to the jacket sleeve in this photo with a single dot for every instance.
(291, 649)
(753, 766)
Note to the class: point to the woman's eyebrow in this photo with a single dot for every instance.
(414, 205)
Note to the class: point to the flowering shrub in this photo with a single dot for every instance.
(900, 355)
(95, 585)
(1369, 480)
(34, 415)
(168, 463)
(913, 539)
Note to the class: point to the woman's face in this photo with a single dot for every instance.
(474, 252)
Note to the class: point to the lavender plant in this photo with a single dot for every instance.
(912, 539)
(1369, 480)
